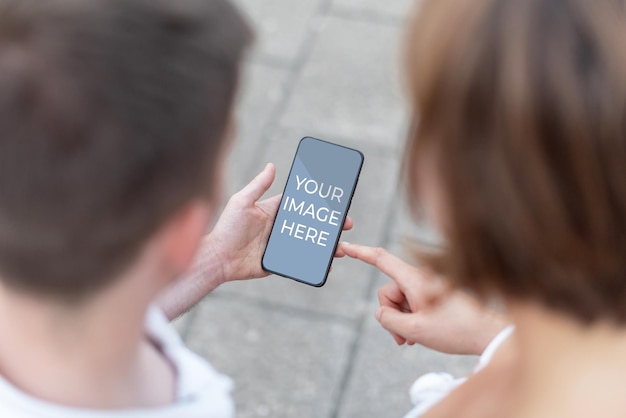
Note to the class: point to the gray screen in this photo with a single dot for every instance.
(312, 211)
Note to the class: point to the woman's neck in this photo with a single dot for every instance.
(566, 368)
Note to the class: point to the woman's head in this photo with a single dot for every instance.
(519, 111)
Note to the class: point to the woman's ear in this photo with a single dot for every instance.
(182, 235)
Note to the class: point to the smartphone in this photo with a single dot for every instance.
(312, 211)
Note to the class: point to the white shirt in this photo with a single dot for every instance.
(430, 389)
(201, 391)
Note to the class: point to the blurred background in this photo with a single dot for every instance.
(328, 69)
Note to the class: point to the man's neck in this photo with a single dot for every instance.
(94, 356)
(566, 368)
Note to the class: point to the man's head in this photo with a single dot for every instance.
(113, 115)
(520, 134)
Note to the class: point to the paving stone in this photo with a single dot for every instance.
(262, 88)
(348, 87)
(182, 323)
(406, 230)
(380, 171)
(375, 8)
(346, 290)
(281, 25)
(284, 365)
(383, 372)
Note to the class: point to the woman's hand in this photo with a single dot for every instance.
(418, 308)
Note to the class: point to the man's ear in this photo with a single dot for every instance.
(182, 235)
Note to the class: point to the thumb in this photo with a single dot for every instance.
(399, 324)
(259, 185)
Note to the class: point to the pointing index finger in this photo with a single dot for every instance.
(380, 258)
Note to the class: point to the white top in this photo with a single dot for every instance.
(430, 389)
(201, 391)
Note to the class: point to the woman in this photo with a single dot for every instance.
(518, 155)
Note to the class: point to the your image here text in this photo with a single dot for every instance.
(308, 210)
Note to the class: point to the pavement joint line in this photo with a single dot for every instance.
(288, 309)
(355, 345)
(271, 61)
(293, 74)
(365, 16)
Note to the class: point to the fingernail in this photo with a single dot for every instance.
(345, 243)
(378, 313)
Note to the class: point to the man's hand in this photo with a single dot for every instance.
(233, 250)
(239, 237)
(418, 308)
(241, 233)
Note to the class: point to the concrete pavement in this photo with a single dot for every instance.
(329, 69)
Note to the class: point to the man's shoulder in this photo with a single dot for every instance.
(201, 390)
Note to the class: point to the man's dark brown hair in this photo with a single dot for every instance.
(112, 116)
(520, 107)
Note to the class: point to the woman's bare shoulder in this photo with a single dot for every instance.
(485, 394)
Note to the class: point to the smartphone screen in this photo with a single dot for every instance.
(312, 211)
